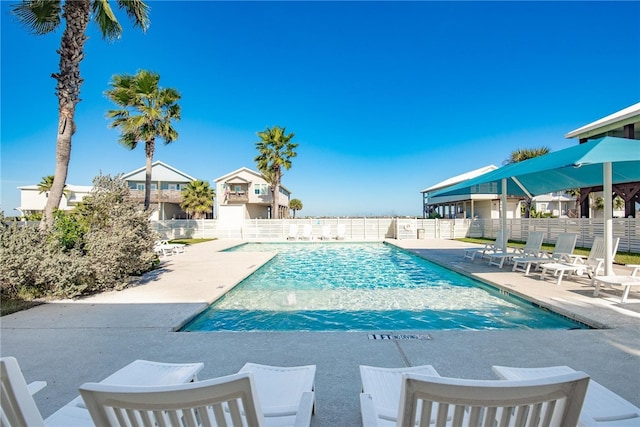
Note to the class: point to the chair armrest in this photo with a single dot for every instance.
(368, 410)
(305, 409)
(636, 268)
(36, 386)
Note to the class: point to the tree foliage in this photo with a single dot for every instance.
(146, 112)
(295, 205)
(276, 151)
(96, 247)
(197, 199)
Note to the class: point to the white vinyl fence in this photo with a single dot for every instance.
(378, 229)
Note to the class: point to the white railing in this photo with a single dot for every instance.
(378, 229)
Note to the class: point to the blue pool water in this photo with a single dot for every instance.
(364, 287)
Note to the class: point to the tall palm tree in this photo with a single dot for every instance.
(146, 113)
(520, 155)
(45, 16)
(46, 184)
(197, 199)
(276, 151)
(295, 205)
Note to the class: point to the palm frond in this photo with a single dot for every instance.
(40, 16)
(106, 20)
(138, 12)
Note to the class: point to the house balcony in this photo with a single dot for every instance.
(237, 197)
(162, 196)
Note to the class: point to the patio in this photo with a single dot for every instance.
(68, 343)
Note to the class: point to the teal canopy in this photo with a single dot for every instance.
(604, 161)
(574, 167)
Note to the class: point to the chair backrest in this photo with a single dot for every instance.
(306, 230)
(18, 407)
(224, 401)
(550, 401)
(342, 229)
(326, 230)
(565, 244)
(293, 230)
(598, 248)
(534, 242)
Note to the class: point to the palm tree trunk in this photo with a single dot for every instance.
(76, 14)
(149, 147)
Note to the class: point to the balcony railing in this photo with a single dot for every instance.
(240, 197)
(162, 196)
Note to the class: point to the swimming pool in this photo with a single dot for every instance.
(364, 287)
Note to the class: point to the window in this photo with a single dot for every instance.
(140, 186)
(261, 189)
(154, 187)
(173, 187)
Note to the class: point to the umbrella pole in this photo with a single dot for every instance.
(608, 218)
(505, 235)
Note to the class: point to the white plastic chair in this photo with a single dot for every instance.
(293, 232)
(601, 408)
(381, 388)
(542, 402)
(341, 232)
(563, 249)
(326, 232)
(626, 282)
(18, 409)
(306, 232)
(531, 248)
(489, 248)
(592, 265)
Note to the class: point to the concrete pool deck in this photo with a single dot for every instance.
(67, 343)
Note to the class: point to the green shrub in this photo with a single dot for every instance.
(96, 247)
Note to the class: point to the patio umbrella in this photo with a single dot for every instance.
(603, 161)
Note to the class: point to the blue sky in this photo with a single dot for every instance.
(385, 98)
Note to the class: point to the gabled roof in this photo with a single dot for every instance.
(159, 172)
(613, 121)
(231, 177)
(459, 178)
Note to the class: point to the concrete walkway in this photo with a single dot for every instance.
(68, 343)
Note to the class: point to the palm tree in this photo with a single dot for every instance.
(197, 199)
(295, 205)
(45, 185)
(520, 155)
(43, 17)
(146, 112)
(276, 151)
(575, 193)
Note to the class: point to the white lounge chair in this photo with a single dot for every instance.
(531, 248)
(341, 232)
(326, 232)
(627, 282)
(293, 232)
(592, 265)
(287, 394)
(165, 248)
(551, 401)
(306, 232)
(562, 251)
(232, 400)
(381, 388)
(18, 409)
(601, 408)
(489, 248)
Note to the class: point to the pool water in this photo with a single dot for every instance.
(364, 287)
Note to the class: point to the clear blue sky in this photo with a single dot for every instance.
(385, 98)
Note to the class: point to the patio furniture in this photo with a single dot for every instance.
(18, 409)
(489, 248)
(601, 408)
(627, 282)
(381, 389)
(531, 248)
(231, 400)
(592, 265)
(550, 401)
(341, 232)
(563, 250)
(326, 232)
(293, 232)
(306, 232)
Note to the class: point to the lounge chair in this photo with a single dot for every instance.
(551, 401)
(286, 393)
(627, 282)
(381, 388)
(18, 409)
(592, 265)
(326, 232)
(531, 248)
(341, 232)
(293, 232)
(163, 247)
(235, 400)
(601, 408)
(489, 248)
(306, 232)
(562, 251)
